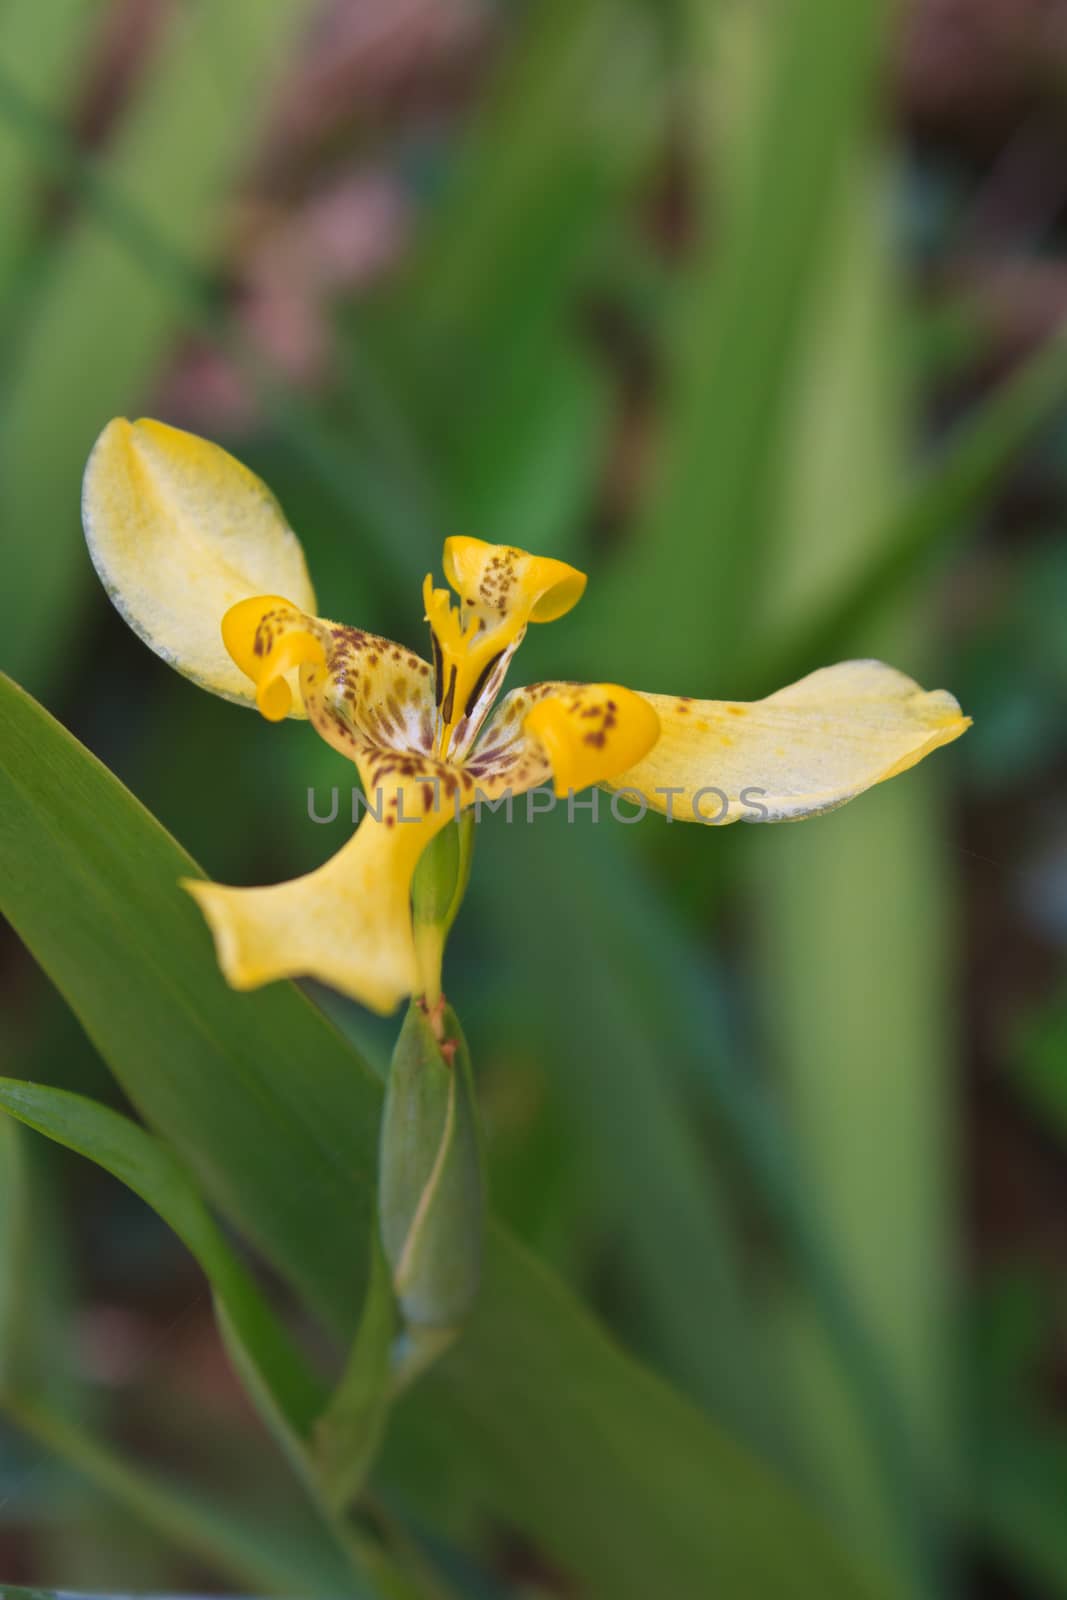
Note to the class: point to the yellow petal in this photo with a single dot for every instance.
(366, 696)
(179, 531)
(591, 732)
(270, 639)
(348, 924)
(498, 580)
(803, 750)
(501, 589)
(575, 733)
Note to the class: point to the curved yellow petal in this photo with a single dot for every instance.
(348, 924)
(179, 531)
(803, 750)
(577, 734)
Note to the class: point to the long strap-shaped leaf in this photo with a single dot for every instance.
(621, 1480)
(150, 1169)
(288, 1395)
(272, 1111)
(740, 320)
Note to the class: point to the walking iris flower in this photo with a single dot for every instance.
(197, 556)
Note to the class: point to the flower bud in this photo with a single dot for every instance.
(431, 1189)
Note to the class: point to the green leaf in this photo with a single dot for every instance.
(743, 309)
(568, 1438)
(547, 162)
(850, 974)
(41, 53)
(36, 1288)
(573, 1444)
(930, 513)
(146, 1166)
(657, 1193)
(101, 320)
(253, 1556)
(651, 1022)
(563, 129)
(350, 1430)
(1039, 1055)
(244, 1087)
(1018, 1481)
(376, 479)
(14, 1253)
(288, 1396)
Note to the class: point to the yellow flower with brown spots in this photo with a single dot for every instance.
(197, 555)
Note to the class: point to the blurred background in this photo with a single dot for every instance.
(752, 310)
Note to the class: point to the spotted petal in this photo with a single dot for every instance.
(179, 531)
(803, 750)
(369, 698)
(569, 734)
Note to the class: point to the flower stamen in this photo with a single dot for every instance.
(461, 665)
(500, 591)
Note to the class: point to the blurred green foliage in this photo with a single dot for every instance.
(655, 317)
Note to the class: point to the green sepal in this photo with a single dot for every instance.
(442, 874)
(431, 1191)
(433, 886)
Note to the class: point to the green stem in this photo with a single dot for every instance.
(437, 892)
(429, 957)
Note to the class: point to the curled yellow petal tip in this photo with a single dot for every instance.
(267, 637)
(592, 733)
(503, 578)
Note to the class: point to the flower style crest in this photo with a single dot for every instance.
(197, 556)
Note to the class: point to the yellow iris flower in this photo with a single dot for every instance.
(197, 555)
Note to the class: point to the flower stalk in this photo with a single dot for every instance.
(437, 889)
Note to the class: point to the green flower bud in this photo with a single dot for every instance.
(431, 1194)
